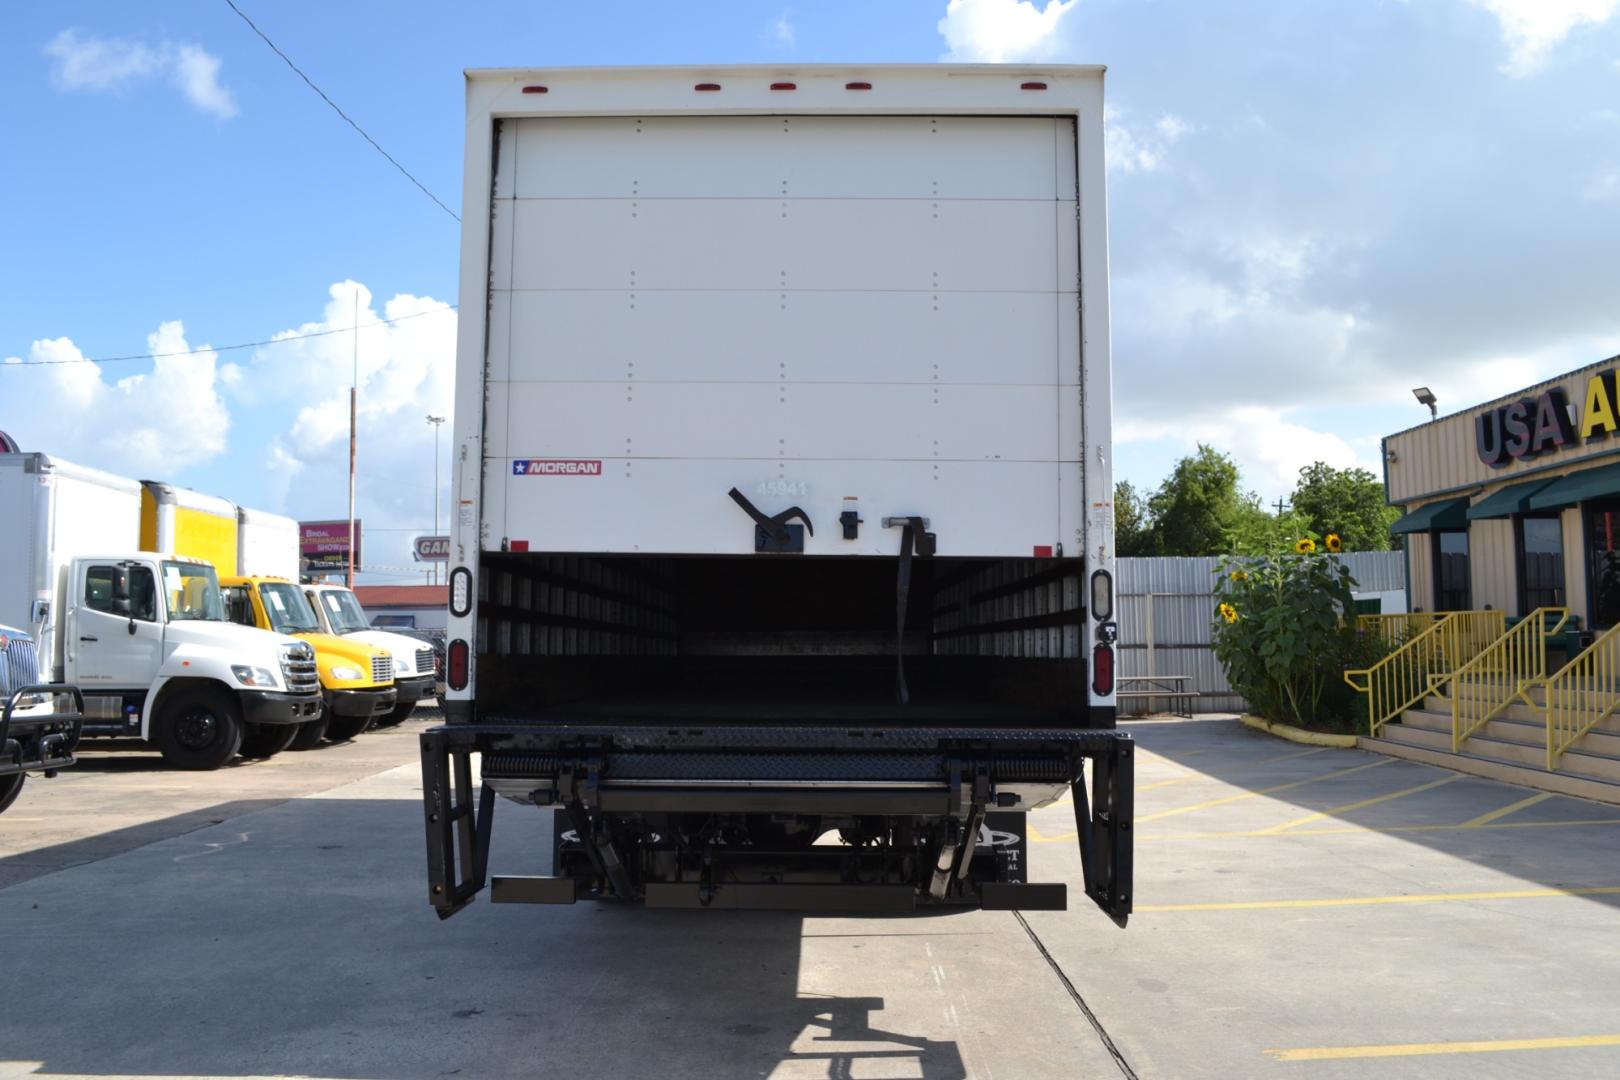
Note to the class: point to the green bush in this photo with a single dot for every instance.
(1285, 632)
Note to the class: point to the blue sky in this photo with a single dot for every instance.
(1314, 207)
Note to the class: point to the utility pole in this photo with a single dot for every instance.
(437, 422)
(1282, 507)
(354, 390)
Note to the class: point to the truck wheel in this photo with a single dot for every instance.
(398, 714)
(268, 740)
(344, 728)
(9, 787)
(309, 735)
(200, 729)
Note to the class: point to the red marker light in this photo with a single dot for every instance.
(1102, 670)
(784, 86)
(1033, 86)
(857, 86)
(707, 86)
(1043, 551)
(535, 90)
(519, 545)
(458, 658)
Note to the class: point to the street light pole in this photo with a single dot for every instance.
(437, 422)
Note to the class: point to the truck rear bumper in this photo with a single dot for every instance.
(275, 707)
(912, 803)
(39, 742)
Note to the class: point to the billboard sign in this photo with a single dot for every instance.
(431, 549)
(324, 545)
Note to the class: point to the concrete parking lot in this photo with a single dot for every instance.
(1300, 913)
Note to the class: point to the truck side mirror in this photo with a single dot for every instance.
(120, 603)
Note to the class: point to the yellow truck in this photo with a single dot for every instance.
(357, 680)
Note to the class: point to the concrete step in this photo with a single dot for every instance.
(1561, 782)
(1579, 761)
(1441, 703)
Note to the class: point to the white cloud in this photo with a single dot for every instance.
(1003, 30)
(1268, 448)
(782, 28)
(1132, 148)
(149, 424)
(406, 370)
(111, 65)
(1531, 29)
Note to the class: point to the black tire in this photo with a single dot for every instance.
(309, 735)
(395, 716)
(267, 740)
(199, 729)
(344, 728)
(9, 788)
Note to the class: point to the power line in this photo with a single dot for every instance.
(375, 145)
(231, 348)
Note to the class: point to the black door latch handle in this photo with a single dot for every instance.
(774, 528)
(89, 639)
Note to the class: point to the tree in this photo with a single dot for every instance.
(1349, 502)
(1133, 533)
(1200, 506)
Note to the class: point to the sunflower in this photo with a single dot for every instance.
(1228, 612)
(1334, 544)
(1240, 575)
(1304, 545)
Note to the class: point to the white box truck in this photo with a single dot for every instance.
(782, 539)
(143, 634)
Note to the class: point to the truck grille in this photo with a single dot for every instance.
(382, 669)
(19, 665)
(298, 668)
(424, 661)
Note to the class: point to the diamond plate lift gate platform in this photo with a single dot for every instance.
(622, 792)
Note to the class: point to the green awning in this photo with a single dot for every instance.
(1513, 499)
(1577, 487)
(1445, 514)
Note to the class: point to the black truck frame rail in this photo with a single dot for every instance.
(950, 781)
(39, 743)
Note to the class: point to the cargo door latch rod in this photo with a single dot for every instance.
(774, 534)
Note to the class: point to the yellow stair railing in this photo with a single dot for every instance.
(1502, 672)
(1582, 693)
(1396, 629)
(1423, 662)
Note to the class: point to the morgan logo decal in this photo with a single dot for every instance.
(556, 467)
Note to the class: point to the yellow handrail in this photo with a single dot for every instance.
(1488, 683)
(1427, 658)
(1396, 629)
(1582, 693)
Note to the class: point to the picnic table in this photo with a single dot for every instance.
(1149, 687)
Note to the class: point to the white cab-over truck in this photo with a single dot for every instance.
(144, 635)
(782, 541)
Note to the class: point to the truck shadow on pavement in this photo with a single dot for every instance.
(299, 940)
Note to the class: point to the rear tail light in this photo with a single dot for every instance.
(1102, 670)
(458, 665)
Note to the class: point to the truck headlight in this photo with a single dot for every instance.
(253, 676)
(346, 673)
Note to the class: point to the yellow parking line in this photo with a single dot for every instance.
(1262, 791)
(1331, 1053)
(1347, 807)
(1360, 901)
(1486, 819)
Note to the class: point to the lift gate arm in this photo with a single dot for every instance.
(459, 819)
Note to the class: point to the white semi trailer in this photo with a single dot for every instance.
(782, 546)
